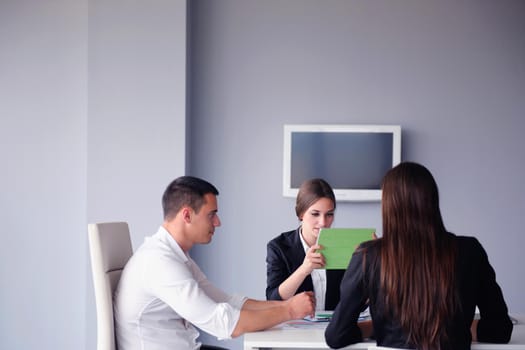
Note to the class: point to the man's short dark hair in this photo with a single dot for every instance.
(185, 191)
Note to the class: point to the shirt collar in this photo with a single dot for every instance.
(303, 242)
(165, 237)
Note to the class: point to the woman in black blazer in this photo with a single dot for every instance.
(293, 264)
(422, 282)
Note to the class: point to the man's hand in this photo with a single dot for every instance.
(258, 315)
(301, 305)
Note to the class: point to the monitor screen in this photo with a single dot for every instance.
(352, 158)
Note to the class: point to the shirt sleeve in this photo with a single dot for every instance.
(212, 291)
(187, 291)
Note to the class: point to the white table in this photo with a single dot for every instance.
(310, 335)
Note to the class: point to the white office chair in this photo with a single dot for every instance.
(110, 249)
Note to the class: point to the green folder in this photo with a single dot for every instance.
(340, 243)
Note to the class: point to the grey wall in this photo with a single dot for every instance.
(43, 100)
(92, 128)
(451, 73)
(137, 115)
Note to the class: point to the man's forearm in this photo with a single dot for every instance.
(252, 320)
(257, 315)
(252, 304)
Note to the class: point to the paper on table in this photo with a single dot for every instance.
(320, 316)
(326, 316)
(340, 243)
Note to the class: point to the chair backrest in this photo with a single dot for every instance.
(110, 249)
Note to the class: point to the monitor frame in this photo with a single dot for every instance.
(341, 194)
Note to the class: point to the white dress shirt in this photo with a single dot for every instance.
(318, 280)
(162, 295)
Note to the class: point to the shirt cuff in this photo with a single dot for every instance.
(237, 301)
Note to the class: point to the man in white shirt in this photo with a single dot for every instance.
(163, 295)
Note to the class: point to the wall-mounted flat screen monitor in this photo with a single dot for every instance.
(352, 158)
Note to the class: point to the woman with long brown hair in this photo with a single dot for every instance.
(423, 283)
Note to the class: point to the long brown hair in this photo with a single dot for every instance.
(417, 257)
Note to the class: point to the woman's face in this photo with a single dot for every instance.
(319, 215)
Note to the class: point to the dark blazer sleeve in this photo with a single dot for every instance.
(495, 325)
(343, 329)
(284, 255)
(276, 270)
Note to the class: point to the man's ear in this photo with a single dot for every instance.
(186, 214)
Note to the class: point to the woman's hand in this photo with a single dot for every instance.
(314, 259)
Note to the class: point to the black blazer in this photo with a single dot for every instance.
(285, 254)
(476, 284)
